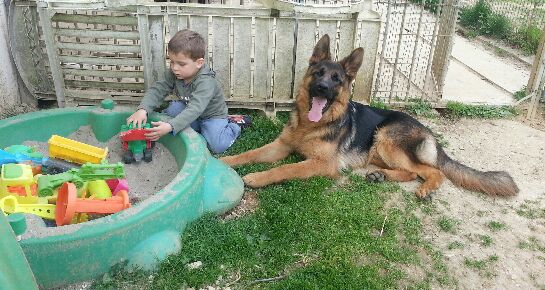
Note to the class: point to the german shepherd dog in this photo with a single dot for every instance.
(333, 133)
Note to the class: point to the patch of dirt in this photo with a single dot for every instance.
(500, 242)
(248, 204)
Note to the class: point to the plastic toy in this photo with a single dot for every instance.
(69, 204)
(99, 189)
(25, 154)
(135, 144)
(17, 179)
(9, 204)
(74, 151)
(87, 172)
(117, 185)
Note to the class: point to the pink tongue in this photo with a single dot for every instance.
(318, 105)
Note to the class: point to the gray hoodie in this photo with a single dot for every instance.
(203, 92)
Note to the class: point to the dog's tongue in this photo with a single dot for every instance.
(315, 113)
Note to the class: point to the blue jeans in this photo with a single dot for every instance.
(218, 133)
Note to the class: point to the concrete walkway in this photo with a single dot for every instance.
(478, 76)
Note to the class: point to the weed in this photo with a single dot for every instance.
(419, 107)
(496, 226)
(482, 266)
(378, 103)
(447, 224)
(455, 245)
(486, 241)
(518, 95)
(459, 110)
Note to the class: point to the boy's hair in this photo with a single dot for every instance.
(189, 43)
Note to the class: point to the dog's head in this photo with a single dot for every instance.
(329, 81)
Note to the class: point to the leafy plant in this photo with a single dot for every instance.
(459, 110)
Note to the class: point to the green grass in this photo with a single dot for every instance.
(496, 226)
(455, 245)
(420, 107)
(304, 234)
(518, 95)
(459, 110)
(484, 267)
(448, 224)
(486, 241)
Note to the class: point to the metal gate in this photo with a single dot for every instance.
(414, 49)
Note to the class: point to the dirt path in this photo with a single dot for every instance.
(491, 243)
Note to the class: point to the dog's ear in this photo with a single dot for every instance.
(321, 51)
(352, 63)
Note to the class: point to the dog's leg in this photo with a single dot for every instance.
(277, 150)
(392, 175)
(433, 178)
(301, 170)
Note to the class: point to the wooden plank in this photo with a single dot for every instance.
(347, 38)
(95, 19)
(97, 33)
(219, 41)
(101, 60)
(306, 40)
(104, 73)
(94, 94)
(99, 47)
(157, 47)
(283, 59)
(242, 62)
(48, 32)
(104, 85)
(199, 24)
(261, 58)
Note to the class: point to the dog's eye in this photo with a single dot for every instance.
(319, 73)
(335, 78)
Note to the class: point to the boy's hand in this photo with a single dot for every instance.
(159, 129)
(139, 118)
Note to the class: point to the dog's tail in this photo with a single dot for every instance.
(495, 183)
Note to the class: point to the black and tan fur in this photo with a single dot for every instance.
(352, 135)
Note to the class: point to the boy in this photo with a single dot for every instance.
(204, 107)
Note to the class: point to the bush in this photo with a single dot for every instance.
(497, 26)
(476, 16)
(527, 38)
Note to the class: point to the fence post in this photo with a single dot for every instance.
(535, 86)
(8, 76)
(58, 80)
(152, 44)
(443, 47)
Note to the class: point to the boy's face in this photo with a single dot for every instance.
(184, 67)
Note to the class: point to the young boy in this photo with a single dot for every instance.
(202, 105)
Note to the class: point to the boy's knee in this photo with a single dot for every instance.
(218, 148)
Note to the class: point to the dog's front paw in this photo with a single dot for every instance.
(375, 176)
(425, 195)
(254, 180)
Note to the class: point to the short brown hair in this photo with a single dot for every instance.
(189, 43)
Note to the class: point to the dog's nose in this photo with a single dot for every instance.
(322, 87)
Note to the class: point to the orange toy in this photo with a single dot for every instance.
(69, 204)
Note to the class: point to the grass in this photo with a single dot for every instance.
(305, 234)
(486, 241)
(484, 267)
(448, 224)
(420, 107)
(496, 226)
(480, 19)
(520, 94)
(460, 110)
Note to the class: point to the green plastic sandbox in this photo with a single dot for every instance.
(138, 237)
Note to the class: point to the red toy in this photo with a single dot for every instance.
(69, 204)
(135, 144)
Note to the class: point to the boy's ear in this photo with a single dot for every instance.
(321, 51)
(200, 62)
(352, 63)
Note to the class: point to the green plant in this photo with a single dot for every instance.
(486, 241)
(379, 103)
(527, 38)
(496, 226)
(419, 107)
(497, 26)
(518, 95)
(482, 266)
(459, 110)
(447, 224)
(455, 245)
(476, 16)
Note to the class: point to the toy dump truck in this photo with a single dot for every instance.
(74, 151)
(135, 145)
